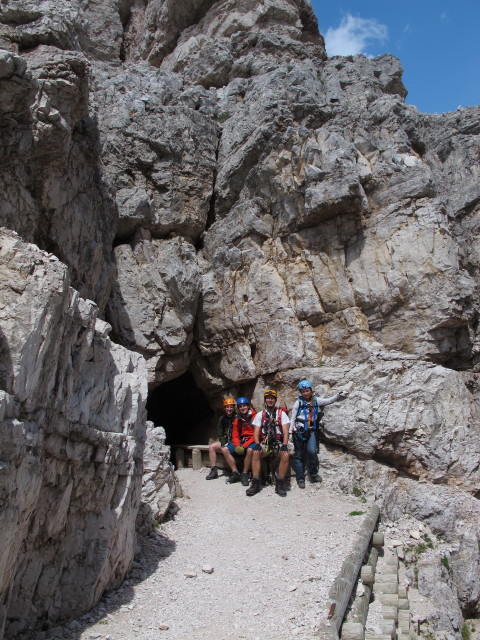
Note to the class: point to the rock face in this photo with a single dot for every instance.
(243, 208)
(72, 439)
(158, 486)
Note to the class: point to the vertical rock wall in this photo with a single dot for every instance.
(72, 438)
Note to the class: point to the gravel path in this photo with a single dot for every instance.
(273, 559)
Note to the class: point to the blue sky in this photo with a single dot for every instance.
(437, 42)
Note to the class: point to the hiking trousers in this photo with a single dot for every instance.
(301, 446)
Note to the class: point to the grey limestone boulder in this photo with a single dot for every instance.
(72, 438)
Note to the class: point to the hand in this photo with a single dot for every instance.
(284, 447)
(240, 450)
(257, 447)
(342, 395)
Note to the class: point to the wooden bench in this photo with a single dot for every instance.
(196, 457)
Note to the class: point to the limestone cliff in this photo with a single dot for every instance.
(239, 206)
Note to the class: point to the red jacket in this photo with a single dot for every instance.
(242, 434)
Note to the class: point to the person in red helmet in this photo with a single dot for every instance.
(242, 442)
(225, 428)
(271, 436)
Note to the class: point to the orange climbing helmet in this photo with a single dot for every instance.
(229, 402)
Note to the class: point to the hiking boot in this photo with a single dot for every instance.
(244, 479)
(213, 474)
(254, 487)
(301, 484)
(315, 478)
(235, 477)
(280, 487)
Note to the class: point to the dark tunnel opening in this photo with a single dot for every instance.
(182, 409)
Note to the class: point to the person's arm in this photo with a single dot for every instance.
(257, 425)
(285, 426)
(236, 433)
(341, 395)
(222, 428)
(294, 416)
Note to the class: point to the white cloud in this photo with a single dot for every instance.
(354, 35)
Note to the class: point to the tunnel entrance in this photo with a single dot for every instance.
(181, 408)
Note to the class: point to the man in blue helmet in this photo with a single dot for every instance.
(304, 427)
(242, 442)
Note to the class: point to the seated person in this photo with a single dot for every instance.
(271, 436)
(224, 428)
(242, 442)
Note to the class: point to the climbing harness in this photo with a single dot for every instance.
(312, 415)
(243, 423)
(271, 432)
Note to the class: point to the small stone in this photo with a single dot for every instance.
(292, 588)
(285, 557)
(415, 535)
(207, 569)
(163, 627)
(190, 574)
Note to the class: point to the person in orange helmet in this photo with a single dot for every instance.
(242, 443)
(224, 428)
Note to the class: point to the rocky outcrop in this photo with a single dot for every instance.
(72, 438)
(158, 484)
(243, 208)
(446, 574)
(52, 190)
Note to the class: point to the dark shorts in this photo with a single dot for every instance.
(231, 448)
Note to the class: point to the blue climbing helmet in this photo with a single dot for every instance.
(304, 384)
(242, 400)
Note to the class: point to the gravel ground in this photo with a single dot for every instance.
(273, 559)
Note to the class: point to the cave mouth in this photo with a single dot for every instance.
(181, 408)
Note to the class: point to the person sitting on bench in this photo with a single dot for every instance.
(271, 437)
(242, 442)
(224, 428)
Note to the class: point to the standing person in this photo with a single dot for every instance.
(242, 442)
(271, 435)
(304, 427)
(224, 429)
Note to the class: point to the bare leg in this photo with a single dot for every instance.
(248, 461)
(283, 464)
(229, 459)
(213, 449)
(257, 463)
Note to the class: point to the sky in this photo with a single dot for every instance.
(437, 42)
